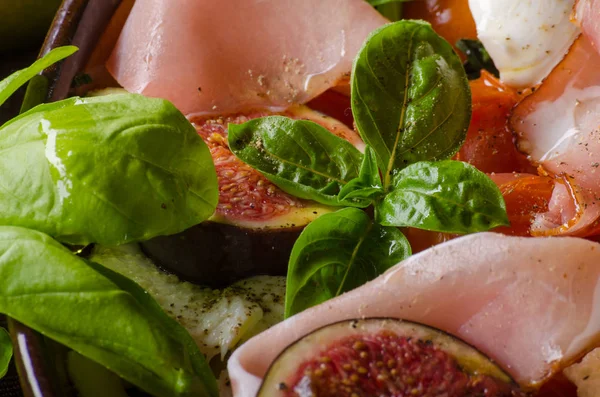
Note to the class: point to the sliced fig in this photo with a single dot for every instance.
(384, 357)
(255, 225)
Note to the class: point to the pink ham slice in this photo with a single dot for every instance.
(222, 57)
(559, 127)
(531, 304)
(587, 14)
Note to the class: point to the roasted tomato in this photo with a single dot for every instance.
(451, 19)
(525, 197)
(334, 104)
(490, 146)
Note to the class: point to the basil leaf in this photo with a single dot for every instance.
(382, 2)
(301, 157)
(410, 96)
(477, 58)
(338, 252)
(9, 85)
(99, 314)
(109, 169)
(445, 196)
(368, 183)
(6, 351)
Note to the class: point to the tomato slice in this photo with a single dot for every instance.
(525, 197)
(334, 104)
(490, 145)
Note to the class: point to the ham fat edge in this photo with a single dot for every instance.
(530, 304)
(223, 57)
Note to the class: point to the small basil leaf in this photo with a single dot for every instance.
(368, 183)
(445, 196)
(338, 252)
(301, 157)
(9, 85)
(391, 9)
(99, 314)
(6, 351)
(477, 58)
(382, 2)
(410, 96)
(108, 169)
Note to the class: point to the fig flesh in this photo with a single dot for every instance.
(255, 225)
(384, 357)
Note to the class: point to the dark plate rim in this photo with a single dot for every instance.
(80, 23)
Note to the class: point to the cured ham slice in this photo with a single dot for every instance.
(559, 127)
(530, 304)
(221, 57)
(587, 13)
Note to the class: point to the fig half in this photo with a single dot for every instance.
(255, 225)
(384, 357)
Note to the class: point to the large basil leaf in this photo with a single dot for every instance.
(445, 196)
(6, 351)
(9, 85)
(338, 252)
(99, 314)
(109, 169)
(299, 156)
(410, 96)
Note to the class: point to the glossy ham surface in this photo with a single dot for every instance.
(222, 57)
(587, 14)
(559, 127)
(530, 304)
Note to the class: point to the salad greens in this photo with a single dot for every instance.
(477, 58)
(12, 83)
(109, 169)
(6, 351)
(410, 97)
(411, 103)
(98, 313)
(363, 250)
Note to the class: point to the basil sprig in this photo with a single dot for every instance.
(338, 252)
(412, 106)
(98, 313)
(6, 351)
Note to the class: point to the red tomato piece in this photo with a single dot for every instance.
(489, 145)
(451, 19)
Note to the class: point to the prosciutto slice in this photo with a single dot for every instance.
(559, 127)
(531, 304)
(587, 13)
(221, 57)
